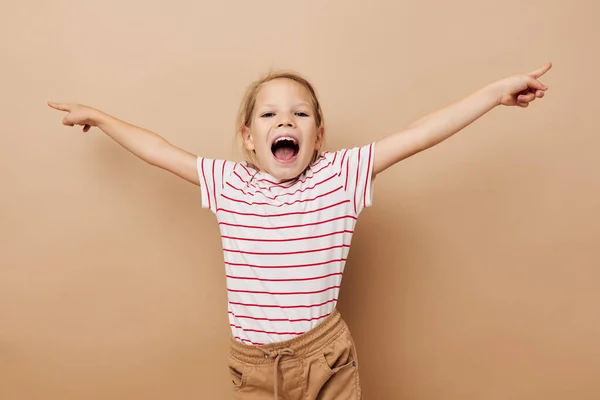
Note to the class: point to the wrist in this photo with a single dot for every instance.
(100, 119)
(494, 92)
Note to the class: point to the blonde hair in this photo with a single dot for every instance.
(244, 117)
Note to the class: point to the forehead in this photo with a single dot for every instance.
(282, 89)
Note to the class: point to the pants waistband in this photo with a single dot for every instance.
(302, 345)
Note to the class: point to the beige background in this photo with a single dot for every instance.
(474, 276)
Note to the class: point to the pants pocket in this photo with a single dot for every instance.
(339, 355)
(236, 373)
(338, 378)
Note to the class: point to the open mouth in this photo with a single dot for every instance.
(285, 148)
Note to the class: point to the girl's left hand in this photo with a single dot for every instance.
(520, 90)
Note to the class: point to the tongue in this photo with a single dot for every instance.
(284, 153)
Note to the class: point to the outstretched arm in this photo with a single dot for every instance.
(148, 146)
(518, 90)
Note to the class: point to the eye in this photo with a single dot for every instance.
(267, 115)
(301, 114)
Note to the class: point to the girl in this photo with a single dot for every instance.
(286, 217)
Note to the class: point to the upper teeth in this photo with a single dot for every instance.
(285, 138)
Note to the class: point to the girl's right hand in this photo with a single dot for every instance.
(78, 114)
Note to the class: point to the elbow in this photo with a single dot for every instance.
(154, 153)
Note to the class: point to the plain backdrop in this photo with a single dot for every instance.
(473, 276)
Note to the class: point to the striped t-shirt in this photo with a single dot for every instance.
(285, 242)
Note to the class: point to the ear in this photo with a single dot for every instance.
(320, 138)
(247, 138)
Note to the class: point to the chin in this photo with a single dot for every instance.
(286, 171)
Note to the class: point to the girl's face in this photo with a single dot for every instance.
(283, 132)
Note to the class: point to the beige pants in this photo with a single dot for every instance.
(320, 364)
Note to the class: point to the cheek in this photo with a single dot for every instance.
(260, 144)
(311, 132)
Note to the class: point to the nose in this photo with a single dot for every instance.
(285, 122)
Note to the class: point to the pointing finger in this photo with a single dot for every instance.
(539, 72)
(59, 106)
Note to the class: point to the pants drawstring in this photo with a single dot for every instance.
(276, 355)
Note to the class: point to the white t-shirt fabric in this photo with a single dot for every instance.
(285, 242)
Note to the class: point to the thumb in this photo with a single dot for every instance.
(534, 83)
(66, 121)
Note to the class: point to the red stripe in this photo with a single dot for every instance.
(357, 175)
(288, 226)
(270, 333)
(342, 162)
(282, 194)
(368, 176)
(282, 293)
(250, 177)
(241, 179)
(285, 266)
(316, 172)
(279, 184)
(334, 157)
(278, 306)
(205, 183)
(284, 214)
(287, 253)
(279, 319)
(248, 341)
(246, 169)
(214, 183)
(223, 176)
(283, 204)
(240, 190)
(287, 240)
(247, 278)
(347, 173)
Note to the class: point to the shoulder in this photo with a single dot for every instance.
(343, 156)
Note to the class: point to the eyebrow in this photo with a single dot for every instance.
(295, 105)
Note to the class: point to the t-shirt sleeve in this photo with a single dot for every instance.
(355, 168)
(212, 175)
